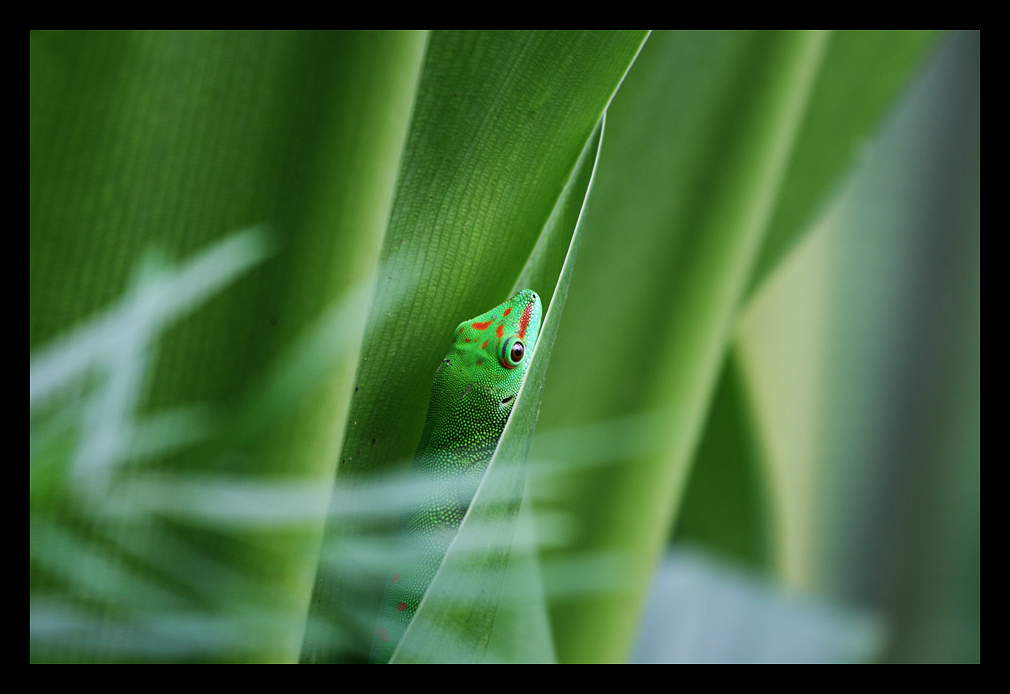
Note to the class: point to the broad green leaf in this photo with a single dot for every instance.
(696, 193)
(710, 141)
(454, 621)
(500, 121)
(158, 145)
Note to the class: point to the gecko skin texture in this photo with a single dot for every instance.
(472, 396)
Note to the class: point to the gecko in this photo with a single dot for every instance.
(472, 395)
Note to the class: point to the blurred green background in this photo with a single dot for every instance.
(758, 438)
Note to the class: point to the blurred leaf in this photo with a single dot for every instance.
(706, 612)
(860, 359)
(780, 349)
(862, 74)
(170, 141)
(898, 505)
(725, 506)
(707, 139)
(696, 194)
(522, 631)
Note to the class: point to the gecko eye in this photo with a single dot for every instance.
(512, 353)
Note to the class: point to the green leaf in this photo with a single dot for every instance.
(158, 145)
(862, 357)
(500, 122)
(221, 420)
(740, 117)
(861, 75)
(726, 500)
(455, 619)
(652, 313)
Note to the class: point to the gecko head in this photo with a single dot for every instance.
(494, 348)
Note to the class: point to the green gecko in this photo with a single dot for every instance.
(472, 396)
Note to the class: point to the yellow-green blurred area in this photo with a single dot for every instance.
(750, 435)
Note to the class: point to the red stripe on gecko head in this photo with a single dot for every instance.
(500, 331)
(482, 326)
(524, 320)
(507, 311)
(485, 344)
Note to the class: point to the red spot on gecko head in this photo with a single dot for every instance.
(482, 326)
(461, 329)
(500, 332)
(524, 320)
(401, 606)
(507, 311)
(485, 344)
